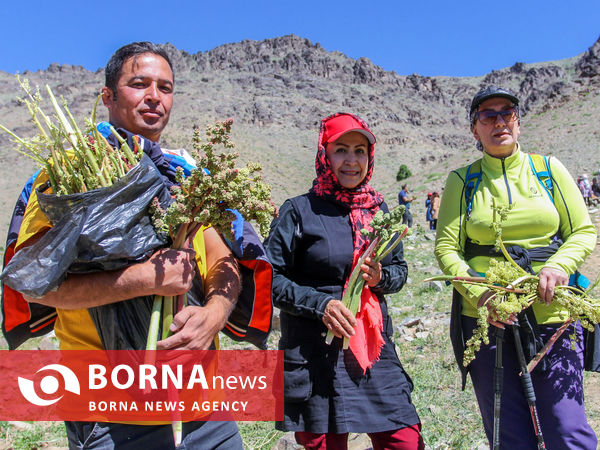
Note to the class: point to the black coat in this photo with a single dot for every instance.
(310, 248)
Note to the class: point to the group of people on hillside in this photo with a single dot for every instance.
(589, 191)
(432, 209)
(312, 247)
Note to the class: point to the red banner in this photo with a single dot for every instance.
(140, 386)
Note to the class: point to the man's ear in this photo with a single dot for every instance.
(107, 96)
(475, 134)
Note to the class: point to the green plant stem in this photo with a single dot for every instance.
(520, 280)
(154, 323)
(453, 278)
(91, 158)
(493, 287)
(70, 133)
(117, 165)
(352, 281)
(390, 245)
(168, 308)
(34, 110)
(78, 134)
(124, 147)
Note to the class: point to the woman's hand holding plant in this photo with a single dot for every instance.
(550, 277)
(371, 269)
(493, 318)
(338, 319)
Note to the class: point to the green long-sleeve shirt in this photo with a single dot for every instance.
(532, 222)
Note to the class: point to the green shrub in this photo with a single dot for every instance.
(403, 173)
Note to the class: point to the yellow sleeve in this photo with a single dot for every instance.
(34, 220)
(200, 249)
(579, 242)
(450, 237)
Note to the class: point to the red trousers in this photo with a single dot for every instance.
(408, 438)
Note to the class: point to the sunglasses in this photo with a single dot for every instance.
(489, 117)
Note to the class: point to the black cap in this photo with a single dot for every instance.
(490, 92)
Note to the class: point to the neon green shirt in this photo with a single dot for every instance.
(532, 222)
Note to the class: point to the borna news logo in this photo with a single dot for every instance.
(49, 385)
(123, 385)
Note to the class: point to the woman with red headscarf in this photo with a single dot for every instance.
(313, 246)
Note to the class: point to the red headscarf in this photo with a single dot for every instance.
(363, 202)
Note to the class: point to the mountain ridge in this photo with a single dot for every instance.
(278, 89)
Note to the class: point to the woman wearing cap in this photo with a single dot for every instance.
(464, 247)
(330, 392)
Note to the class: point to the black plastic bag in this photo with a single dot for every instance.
(123, 325)
(103, 229)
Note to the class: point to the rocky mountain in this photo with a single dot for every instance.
(277, 90)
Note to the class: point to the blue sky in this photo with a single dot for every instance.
(429, 37)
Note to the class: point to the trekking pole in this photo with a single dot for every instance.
(528, 386)
(498, 384)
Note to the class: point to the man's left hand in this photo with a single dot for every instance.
(549, 278)
(193, 328)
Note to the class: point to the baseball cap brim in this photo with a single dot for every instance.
(365, 133)
(492, 92)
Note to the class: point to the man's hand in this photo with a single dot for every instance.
(174, 271)
(550, 277)
(338, 319)
(371, 271)
(194, 328)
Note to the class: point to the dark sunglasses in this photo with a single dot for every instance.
(489, 117)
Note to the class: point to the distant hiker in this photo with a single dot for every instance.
(428, 216)
(312, 245)
(585, 188)
(405, 199)
(595, 187)
(435, 209)
(548, 214)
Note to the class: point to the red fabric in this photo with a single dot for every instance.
(263, 279)
(363, 202)
(16, 309)
(408, 438)
(329, 441)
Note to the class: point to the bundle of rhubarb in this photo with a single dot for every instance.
(210, 196)
(386, 232)
(96, 204)
(514, 289)
(214, 189)
(74, 160)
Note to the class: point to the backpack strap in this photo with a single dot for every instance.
(540, 166)
(472, 180)
(541, 169)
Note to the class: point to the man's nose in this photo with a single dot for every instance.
(152, 93)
